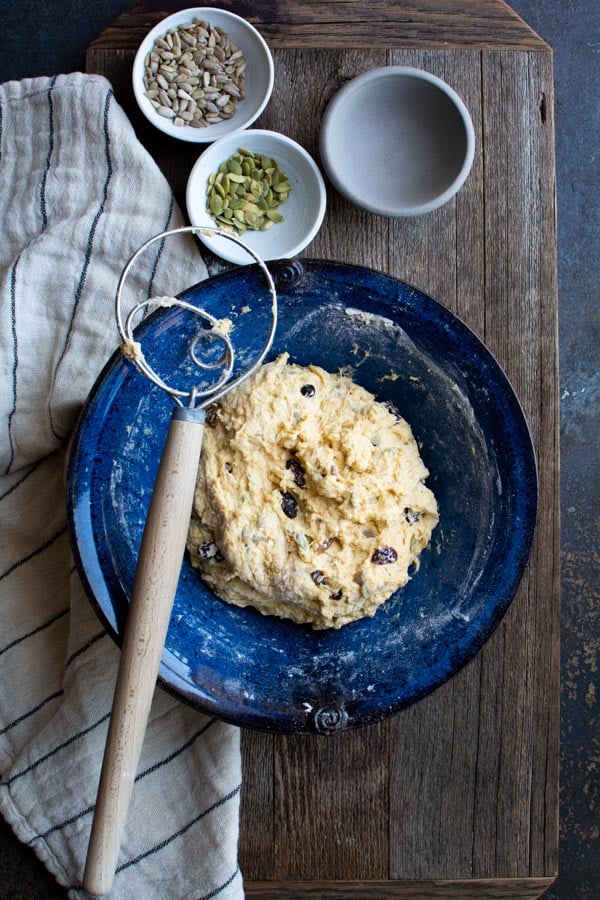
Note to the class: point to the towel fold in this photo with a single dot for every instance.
(78, 195)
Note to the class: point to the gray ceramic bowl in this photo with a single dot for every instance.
(397, 141)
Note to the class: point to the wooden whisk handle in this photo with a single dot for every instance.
(155, 584)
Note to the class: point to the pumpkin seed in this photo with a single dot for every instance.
(246, 190)
(216, 205)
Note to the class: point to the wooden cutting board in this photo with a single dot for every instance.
(458, 795)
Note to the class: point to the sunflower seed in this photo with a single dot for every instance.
(232, 89)
(193, 63)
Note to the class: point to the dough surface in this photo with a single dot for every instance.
(310, 502)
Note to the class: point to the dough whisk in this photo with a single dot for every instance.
(160, 556)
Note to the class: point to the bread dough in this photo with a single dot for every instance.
(310, 502)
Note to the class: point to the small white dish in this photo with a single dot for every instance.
(397, 141)
(303, 211)
(258, 83)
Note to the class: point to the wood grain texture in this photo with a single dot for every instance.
(477, 889)
(458, 795)
(493, 731)
(521, 329)
(331, 806)
(257, 814)
(343, 23)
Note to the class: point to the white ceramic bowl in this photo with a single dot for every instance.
(303, 211)
(259, 75)
(397, 141)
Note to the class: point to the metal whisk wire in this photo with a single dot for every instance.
(197, 397)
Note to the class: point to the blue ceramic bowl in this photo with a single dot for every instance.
(265, 672)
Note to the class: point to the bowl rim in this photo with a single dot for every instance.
(346, 92)
(196, 135)
(231, 252)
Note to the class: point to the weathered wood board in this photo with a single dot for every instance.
(458, 795)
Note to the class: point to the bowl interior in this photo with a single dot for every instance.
(265, 672)
(303, 211)
(395, 141)
(259, 75)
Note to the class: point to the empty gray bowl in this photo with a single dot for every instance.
(397, 141)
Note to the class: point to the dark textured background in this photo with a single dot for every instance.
(50, 38)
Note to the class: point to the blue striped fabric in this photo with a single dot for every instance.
(88, 248)
(48, 156)
(15, 357)
(78, 195)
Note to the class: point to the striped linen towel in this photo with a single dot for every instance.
(78, 195)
